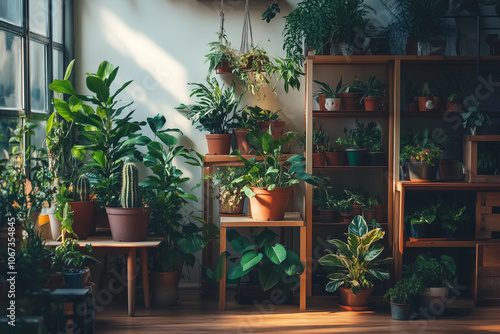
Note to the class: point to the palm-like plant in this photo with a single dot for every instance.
(328, 90)
(356, 262)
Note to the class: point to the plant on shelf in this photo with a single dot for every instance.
(403, 294)
(373, 143)
(230, 197)
(355, 144)
(452, 216)
(411, 93)
(266, 118)
(271, 176)
(332, 98)
(244, 122)
(370, 209)
(214, 111)
(421, 215)
(344, 207)
(320, 140)
(421, 155)
(264, 261)
(326, 200)
(486, 160)
(428, 98)
(474, 117)
(356, 264)
(372, 92)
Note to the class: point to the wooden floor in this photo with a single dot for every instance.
(194, 315)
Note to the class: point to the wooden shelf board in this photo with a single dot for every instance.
(438, 114)
(350, 113)
(408, 185)
(482, 138)
(349, 167)
(441, 243)
(291, 219)
(340, 224)
(384, 59)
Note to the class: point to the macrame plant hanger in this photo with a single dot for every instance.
(247, 32)
(221, 14)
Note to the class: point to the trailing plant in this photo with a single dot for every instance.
(405, 290)
(356, 264)
(221, 51)
(215, 108)
(329, 91)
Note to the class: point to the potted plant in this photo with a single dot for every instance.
(344, 207)
(372, 91)
(327, 204)
(267, 183)
(454, 102)
(452, 217)
(403, 294)
(411, 93)
(230, 197)
(129, 222)
(355, 144)
(265, 262)
(474, 116)
(84, 208)
(164, 194)
(422, 157)
(437, 274)
(373, 143)
(357, 198)
(320, 142)
(331, 96)
(351, 95)
(334, 156)
(266, 118)
(428, 99)
(356, 264)
(370, 210)
(215, 112)
(222, 57)
(421, 217)
(244, 123)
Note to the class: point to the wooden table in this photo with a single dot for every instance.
(104, 244)
(292, 219)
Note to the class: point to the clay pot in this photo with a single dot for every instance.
(361, 299)
(356, 210)
(318, 159)
(347, 217)
(269, 204)
(454, 106)
(328, 216)
(334, 158)
(321, 102)
(241, 141)
(369, 214)
(429, 103)
(349, 101)
(372, 103)
(219, 144)
(84, 214)
(165, 287)
(411, 107)
(277, 127)
(128, 224)
(333, 104)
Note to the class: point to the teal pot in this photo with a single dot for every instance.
(356, 156)
(419, 231)
(328, 216)
(421, 171)
(400, 311)
(128, 224)
(75, 280)
(376, 158)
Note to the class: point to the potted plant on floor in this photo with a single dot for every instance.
(268, 183)
(356, 265)
(320, 142)
(331, 96)
(215, 112)
(266, 118)
(474, 117)
(372, 93)
(230, 197)
(422, 157)
(264, 261)
(355, 144)
(373, 144)
(403, 294)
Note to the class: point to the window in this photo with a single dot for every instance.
(36, 44)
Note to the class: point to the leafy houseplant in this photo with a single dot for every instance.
(403, 294)
(373, 91)
(344, 207)
(474, 116)
(370, 211)
(351, 95)
(421, 155)
(231, 199)
(215, 112)
(265, 261)
(373, 144)
(222, 57)
(327, 202)
(452, 216)
(356, 263)
(270, 179)
(420, 218)
(332, 100)
(355, 144)
(244, 123)
(266, 118)
(320, 146)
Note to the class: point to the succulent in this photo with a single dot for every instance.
(82, 188)
(130, 186)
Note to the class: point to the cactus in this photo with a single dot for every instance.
(130, 186)
(82, 188)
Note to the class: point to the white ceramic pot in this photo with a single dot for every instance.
(332, 104)
(55, 224)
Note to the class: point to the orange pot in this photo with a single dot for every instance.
(319, 159)
(219, 144)
(334, 158)
(241, 141)
(362, 298)
(349, 101)
(372, 103)
(455, 105)
(269, 204)
(321, 101)
(84, 214)
(277, 127)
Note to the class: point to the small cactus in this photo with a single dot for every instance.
(130, 187)
(82, 188)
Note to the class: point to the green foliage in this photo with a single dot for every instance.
(130, 194)
(63, 212)
(271, 12)
(475, 115)
(420, 148)
(371, 202)
(220, 51)
(321, 142)
(356, 263)
(329, 91)
(215, 108)
(355, 196)
(271, 172)
(362, 136)
(245, 121)
(68, 258)
(405, 291)
(259, 114)
(343, 205)
(263, 259)
(372, 87)
(325, 196)
(433, 272)
(453, 215)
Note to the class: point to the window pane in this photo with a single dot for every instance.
(57, 57)
(39, 17)
(7, 127)
(57, 21)
(38, 81)
(11, 11)
(11, 71)
(39, 137)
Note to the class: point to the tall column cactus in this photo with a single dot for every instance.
(130, 187)
(82, 188)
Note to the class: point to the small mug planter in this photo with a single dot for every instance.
(428, 103)
(269, 204)
(241, 141)
(319, 159)
(372, 103)
(421, 171)
(219, 144)
(128, 224)
(400, 311)
(349, 101)
(334, 158)
(333, 104)
(356, 156)
(328, 216)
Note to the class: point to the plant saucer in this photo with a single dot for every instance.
(354, 308)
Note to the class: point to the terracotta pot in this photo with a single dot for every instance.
(369, 214)
(328, 216)
(425, 103)
(349, 299)
(84, 223)
(347, 217)
(241, 141)
(380, 212)
(269, 205)
(321, 102)
(455, 106)
(219, 144)
(333, 104)
(334, 158)
(349, 101)
(277, 127)
(372, 103)
(356, 210)
(128, 224)
(223, 68)
(319, 159)
(165, 288)
(411, 107)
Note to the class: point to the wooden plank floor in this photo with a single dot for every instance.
(194, 315)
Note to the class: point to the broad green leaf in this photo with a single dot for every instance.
(62, 86)
(250, 259)
(353, 241)
(98, 86)
(167, 139)
(341, 246)
(240, 244)
(236, 271)
(105, 69)
(449, 263)
(373, 252)
(99, 158)
(269, 276)
(372, 236)
(276, 253)
(332, 286)
(296, 158)
(157, 122)
(379, 274)
(49, 123)
(191, 243)
(265, 238)
(358, 226)
(332, 260)
(292, 265)
(219, 267)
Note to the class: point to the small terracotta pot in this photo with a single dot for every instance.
(349, 101)
(425, 103)
(128, 224)
(369, 214)
(334, 158)
(372, 103)
(328, 216)
(411, 107)
(84, 214)
(321, 102)
(318, 159)
(277, 127)
(241, 141)
(219, 144)
(269, 205)
(456, 105)
(356, 210)
(361, 299)
(347, 217)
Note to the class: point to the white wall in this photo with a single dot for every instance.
(160, 44)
